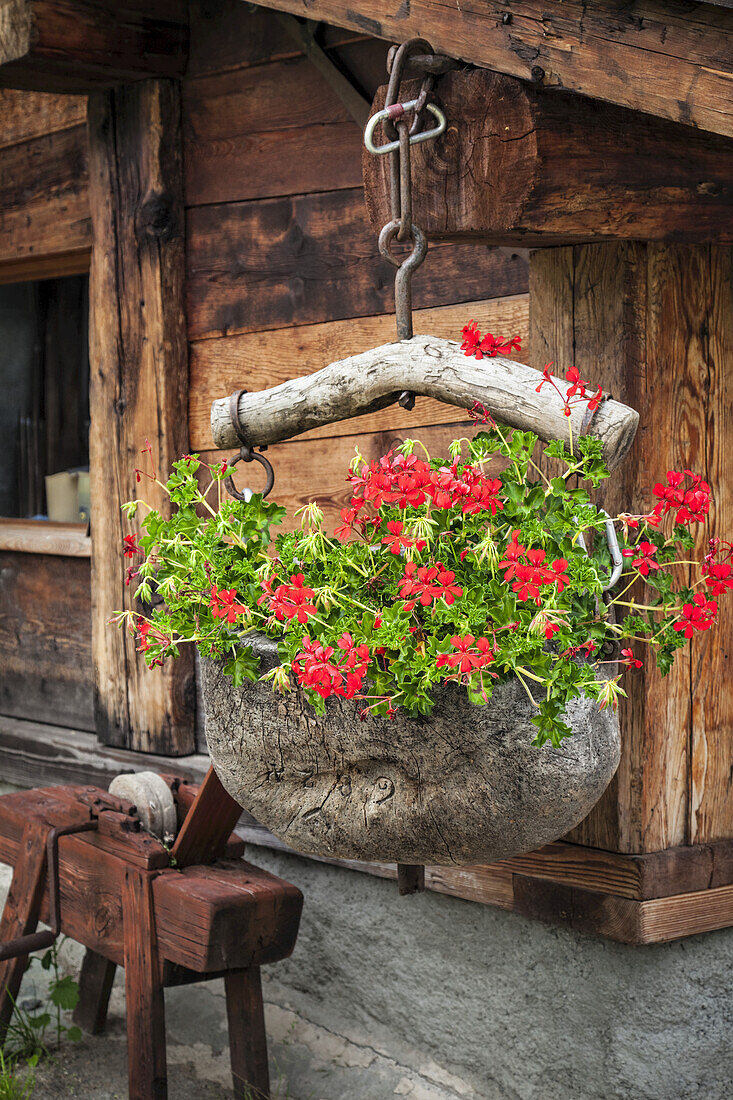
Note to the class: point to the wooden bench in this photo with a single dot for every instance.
(123, 897)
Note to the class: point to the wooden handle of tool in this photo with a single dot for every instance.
(431, 367)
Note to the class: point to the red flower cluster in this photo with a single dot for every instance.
(718, 574)
(468, 657)
(577, 388)
(406, 480)
(222, 604)
(630, 660)
(148, 636)
(289, 601)
(479, 346)
(691, 503)
(315, 669)
(131, 546)
(643, 556)
(529, 570)
(698, 615)
(397, 541)
(427, 583)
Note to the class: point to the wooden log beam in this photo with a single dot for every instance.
(431, 367)
(520, 166)
(75, 46)
(671, 60)
(139, 388)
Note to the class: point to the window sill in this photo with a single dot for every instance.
(28, 536)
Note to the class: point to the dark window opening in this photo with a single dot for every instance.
(44, 399)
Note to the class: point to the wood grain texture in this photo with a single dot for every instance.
(261, 359)
(46, 639)
(521, 166)
(44, 202)
(207, 825)
(671, 61)
(226, 915)
(73, 46)
(95, 987)
(41, 752)
(247, 1035)
(66, 540)
(652, 323)
(313, 258)
(25, 115)
(711, 444)
(227, 35)
(21, 913)
(139, 383)
(275, 129)
(144, 1004)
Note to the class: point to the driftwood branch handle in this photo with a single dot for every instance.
(431, 367)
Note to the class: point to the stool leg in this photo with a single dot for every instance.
(95, 986)
(20, 915)
(146, 1064)
(247, 1038)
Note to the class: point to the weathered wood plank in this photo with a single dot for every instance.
(669, 304)
(44, 203)
(227, 35)
(25, 115)
(67, 540)
(661, 58)
(275, 129)
(144, 1001)
(519, 165)
(33, 753)
(312, 258)
(261, 359)
(711, 439)
(74, 46)
(139, 385)
(46, 639)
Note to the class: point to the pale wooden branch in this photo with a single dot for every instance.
(430, 367)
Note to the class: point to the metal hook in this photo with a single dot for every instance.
(246, 454)
(405, 269)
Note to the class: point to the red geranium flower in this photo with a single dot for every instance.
(222, 604)
(131, 546)
(630, 660)
(290, 601)
(698, 615)
(468, 657)
(643, 556)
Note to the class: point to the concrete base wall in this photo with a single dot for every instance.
(432, 998)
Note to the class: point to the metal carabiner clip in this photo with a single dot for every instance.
(393, 115)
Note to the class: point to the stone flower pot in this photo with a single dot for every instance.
(462, 786)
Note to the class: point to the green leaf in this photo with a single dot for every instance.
(64, 993)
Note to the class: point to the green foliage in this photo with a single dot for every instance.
(32, 1035)
(222, 576)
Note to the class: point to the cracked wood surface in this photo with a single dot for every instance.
(670, 59)
(517, 165)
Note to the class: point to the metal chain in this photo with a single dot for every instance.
(402, 134)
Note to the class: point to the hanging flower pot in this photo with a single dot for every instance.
(435, 681)
(464, 784)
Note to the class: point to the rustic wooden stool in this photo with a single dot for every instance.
(83, 865)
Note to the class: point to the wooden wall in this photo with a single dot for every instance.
(45, 618)
(44, 210)
(284, 273)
